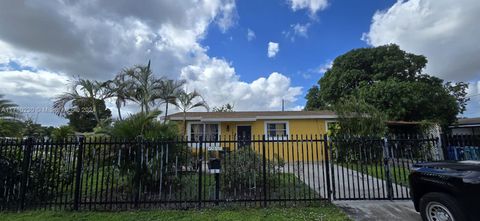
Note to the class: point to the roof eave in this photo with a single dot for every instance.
(243, 119)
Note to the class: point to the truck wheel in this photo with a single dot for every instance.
(440, 207)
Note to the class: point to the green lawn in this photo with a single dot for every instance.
(324, 212)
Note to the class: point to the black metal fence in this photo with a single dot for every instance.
(377, 168)
(112, 174)
(461, 147)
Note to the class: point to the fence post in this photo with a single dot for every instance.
(138, 169)
(25, 171)
(444, 145)
(200, 171)
(76, 197)
(327, 166)
(386, 159)
(264, 172)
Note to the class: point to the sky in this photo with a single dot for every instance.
(253, 54)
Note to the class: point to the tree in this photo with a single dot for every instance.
(32, 129)
(358, 118)
(224, 108)
(84, 91)
(119, 89)
(168, 92)
(62, 132)
(186, 102)
(10, 126)
(391, 80)
(143, 86)
(83, 119)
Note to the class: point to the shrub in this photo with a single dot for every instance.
(144, 125)
(43, 175)
(243, 170)
(62, 133)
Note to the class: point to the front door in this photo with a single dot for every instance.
(244, 135)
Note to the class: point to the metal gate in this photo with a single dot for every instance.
(376, 168)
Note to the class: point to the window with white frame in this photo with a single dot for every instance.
(207, 132)
(276, 130)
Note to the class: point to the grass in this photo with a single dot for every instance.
(399, 174)
(324, 212)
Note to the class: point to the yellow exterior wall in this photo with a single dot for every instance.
(304, 129)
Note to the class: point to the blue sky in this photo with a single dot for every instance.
(332, 32)
(44, 45)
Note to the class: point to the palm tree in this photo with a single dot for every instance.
(186, 102)
(119, 89)
(7, 109)
(168, 92)
(143, 86)
(82, 90)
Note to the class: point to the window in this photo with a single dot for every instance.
(276, 130)
(207, 132)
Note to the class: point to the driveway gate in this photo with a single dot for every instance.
(373, 168)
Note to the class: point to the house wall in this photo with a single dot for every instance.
(303, 129)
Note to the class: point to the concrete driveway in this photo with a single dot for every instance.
(352, 184)
(379, 210)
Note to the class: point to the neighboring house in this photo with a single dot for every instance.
(466, 126)
(246, 126)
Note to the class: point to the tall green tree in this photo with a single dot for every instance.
(83, 91)
(168, 92)
(356, 117)
(82, 118)
(119, 89)
(391, 80)
(143, 86)
(188, 101)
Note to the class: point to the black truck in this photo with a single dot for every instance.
(446, 191)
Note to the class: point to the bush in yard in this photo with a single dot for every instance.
(62, 133)
(243, 171)
(145, 131)
(43, 175)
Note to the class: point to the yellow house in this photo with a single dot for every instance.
(285, 134)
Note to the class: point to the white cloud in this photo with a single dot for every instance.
(318, 71)
(218, 82)
(442, 30)
(324, 67)
(297, 30)
(301, 30)
(96, 39)
(33, 92)
(273, 49)
(28, 83)
(473, 107)
(298, 108)
(228, 16)
(312, 5)
(250, 34)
